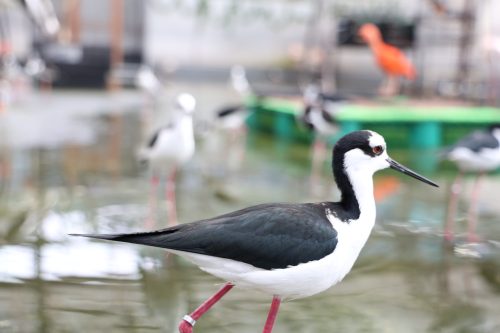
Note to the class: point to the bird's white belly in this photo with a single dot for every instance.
(322, 126)
(172, 155)
(293, 282)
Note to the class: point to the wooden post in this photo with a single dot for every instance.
(74, 21)
(116, 39)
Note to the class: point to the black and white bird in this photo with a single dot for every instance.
(320, 110)
(479, 153)
(169, 148)
(284, 249)
(149, 83)
(230, 121)
(319, 116)
(239, 80)
(232, 117)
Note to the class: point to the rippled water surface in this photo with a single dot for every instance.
(70, 170)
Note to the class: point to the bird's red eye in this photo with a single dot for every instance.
(377, 150)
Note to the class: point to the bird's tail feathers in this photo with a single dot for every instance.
(152, 238)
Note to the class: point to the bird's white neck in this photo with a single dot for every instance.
(185, 124)
(362, 185)
(359, 172)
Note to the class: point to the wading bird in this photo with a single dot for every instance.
(478, 152)
(231, 121)
(232, 117)
(168, 149)
(285, 250)
(389, 58)
(319, 116)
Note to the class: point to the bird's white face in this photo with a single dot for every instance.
(368, 159)
(365, 154)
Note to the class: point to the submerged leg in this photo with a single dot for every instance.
(455, 190)
(171, 199)
(187, 323)
(472, 215)
(273, 312)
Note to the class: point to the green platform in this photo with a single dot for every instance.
(401, 123)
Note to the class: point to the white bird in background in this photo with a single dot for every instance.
(478, 152)
(239, 80)
(320, 110)
(319, 115)
(231, 119)
(169, 148)
(148, 81)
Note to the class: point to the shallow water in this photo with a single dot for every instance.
(54, 183)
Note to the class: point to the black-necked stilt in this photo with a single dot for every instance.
(286, 250)
(233, 117)
(320, 110)
(319, 115)
(148, 81)
(169, 148)
(478, 152)
(239, 79)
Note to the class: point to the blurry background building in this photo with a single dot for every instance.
(452, 43)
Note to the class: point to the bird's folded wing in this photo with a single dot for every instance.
(477, 140)
(268, 236)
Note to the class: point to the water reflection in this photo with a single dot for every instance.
(405, 280)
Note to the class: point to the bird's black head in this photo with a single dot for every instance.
(362, 153)
(360, 150)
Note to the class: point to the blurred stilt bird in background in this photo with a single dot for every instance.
(168, 149)
(479, 153)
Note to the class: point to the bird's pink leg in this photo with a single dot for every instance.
(187, 323)
(273, 312)
(472, 215)
(153, 192)
(456, 188)
(171, 199)
(390, 86)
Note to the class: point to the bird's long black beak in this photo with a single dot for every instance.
(401, 168)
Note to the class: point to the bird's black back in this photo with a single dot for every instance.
(476, 141)
(226, 111)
